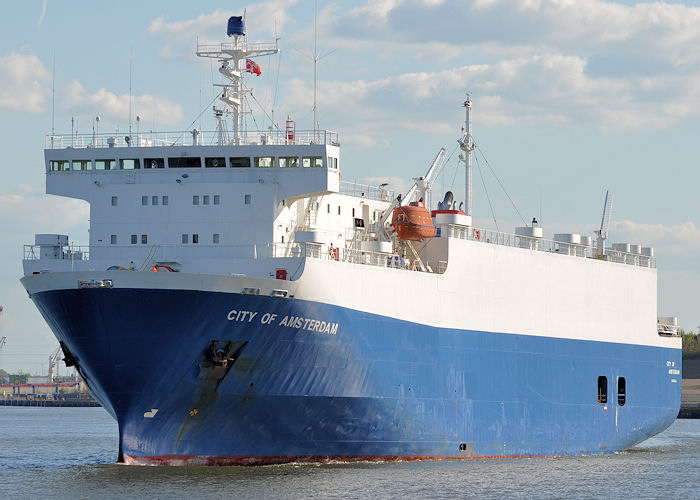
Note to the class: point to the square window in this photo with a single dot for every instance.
(195, 199)
(265, 162)
(144, 200)
(59, 165)
(154, 200)
(105, 164)
(205, 199)
(82, 164)
(214, 162)
(133, 239)
(217, 199)
(288, 161)
(195, 238)
(312, 161)
(114, 201)
(184, 162)
(144, 239)
(184, 239)
(113, 239)
(154, 163)
(240, 162)
(215, 238)
(247, 199)
(129, 164)
(165, 200)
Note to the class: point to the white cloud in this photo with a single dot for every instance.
(681, 238)
(22, 79)
(267, 17)
(41, 213)
(108, 104)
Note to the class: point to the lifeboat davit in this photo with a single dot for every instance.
(413, 222)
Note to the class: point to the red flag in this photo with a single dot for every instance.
(252, 67)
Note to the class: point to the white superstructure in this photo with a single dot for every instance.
(271, 204)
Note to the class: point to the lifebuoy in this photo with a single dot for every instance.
(158, 267)
(477, 235)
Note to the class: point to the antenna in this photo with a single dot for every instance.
(316, 58)
(130, 52)
(53, 97)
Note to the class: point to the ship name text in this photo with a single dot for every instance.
(290, 321)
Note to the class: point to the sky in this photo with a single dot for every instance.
(570, 99)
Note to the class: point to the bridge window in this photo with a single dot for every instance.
(183, 162)
(129, 164)
(621, 391)
(105, 164)
(112, 239)
(59, 165)
(338, 209)
(144, 200)
(217, 199)
(215, 238)
(153, 163)
(115, 200)
(288, 161)
(195, 199)
(184, 239)
(144, 239)
(165, 200)
(82, 164)
(247, 199)
(239, 162)
(195, 238)
(154, 200)
(332, 162)
(602, 389)
(134, 239)
(312, 161)
(264, 162)
(214, 162)
(205, 199)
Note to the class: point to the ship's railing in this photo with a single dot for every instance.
(69, 252)
(356, 189)
(187, 138)
(542, 245)
(214, 49)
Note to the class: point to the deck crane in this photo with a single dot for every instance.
(602, 233)
(421, 189)
(422, 185)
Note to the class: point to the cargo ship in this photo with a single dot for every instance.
(238, 303)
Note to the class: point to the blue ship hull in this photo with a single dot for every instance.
(319, 382)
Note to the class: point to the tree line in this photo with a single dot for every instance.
(691, 344)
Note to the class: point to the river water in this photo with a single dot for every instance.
(70, 453)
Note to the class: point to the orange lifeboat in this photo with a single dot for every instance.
(413, 222)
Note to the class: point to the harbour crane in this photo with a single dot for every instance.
(53, 363)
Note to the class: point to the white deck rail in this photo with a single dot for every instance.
(186, 138)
